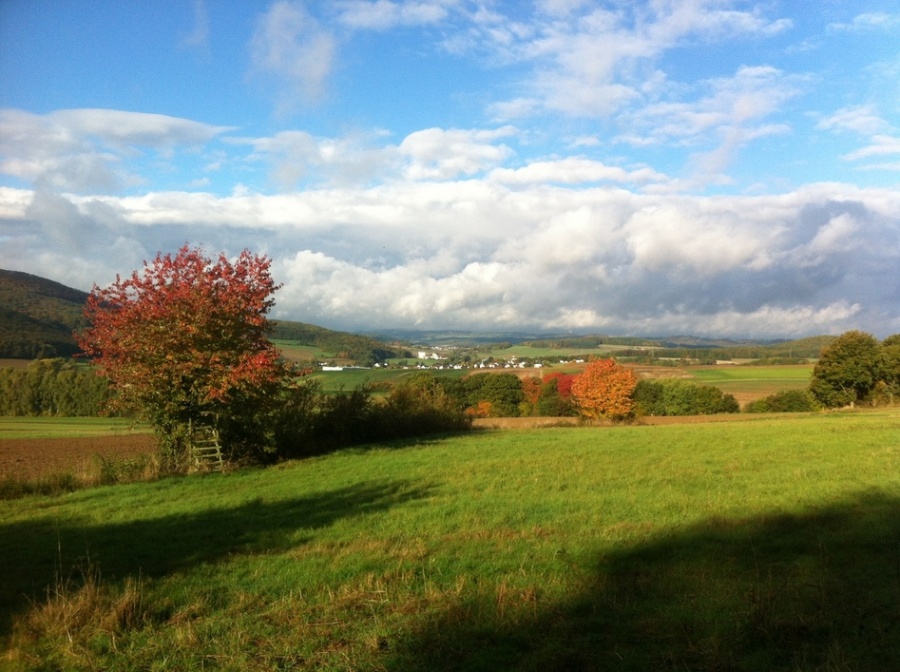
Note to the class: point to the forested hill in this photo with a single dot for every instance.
(37, 316)
(342, 345)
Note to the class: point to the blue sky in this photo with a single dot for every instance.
(715, 167)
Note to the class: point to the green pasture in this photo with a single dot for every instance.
(300, 353)
(767, 544)
(756, 381)
(49, 427)
(348, 379)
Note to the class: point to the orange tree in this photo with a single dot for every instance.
(186, 339)
(603, 390)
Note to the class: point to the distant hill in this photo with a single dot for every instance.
(454, 337)
(342, 345)
(37, 316)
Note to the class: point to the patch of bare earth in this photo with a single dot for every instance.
(33, 458)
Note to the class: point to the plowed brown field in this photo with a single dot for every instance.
(32, 458)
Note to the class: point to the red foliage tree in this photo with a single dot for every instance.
(563, 383)
(186, 337)
(531, 390)
(604, 390)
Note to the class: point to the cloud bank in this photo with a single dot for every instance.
(489, 253)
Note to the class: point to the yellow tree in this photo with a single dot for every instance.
(604, 390)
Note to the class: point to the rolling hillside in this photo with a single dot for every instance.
(37, 316)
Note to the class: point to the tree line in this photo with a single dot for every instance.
(53, 387)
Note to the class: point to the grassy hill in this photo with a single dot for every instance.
(37, 316)
(337, 345)
(769, 544)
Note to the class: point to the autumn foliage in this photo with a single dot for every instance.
(563, 383)
(187, 336)
(604, 390)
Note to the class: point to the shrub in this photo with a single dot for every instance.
(313, 422)
(681, 397)
(502, 390)
(788, 401)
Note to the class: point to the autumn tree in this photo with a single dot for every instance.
(603, 390)
(563, 383)
(187, 338)
(531, 393)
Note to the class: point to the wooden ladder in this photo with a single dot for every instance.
(206, 450)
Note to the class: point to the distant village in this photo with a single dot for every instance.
(444, 358)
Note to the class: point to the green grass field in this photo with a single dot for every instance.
(769, 544)
(746, 382)
(349, 379)
(291, 351)
(51, 428)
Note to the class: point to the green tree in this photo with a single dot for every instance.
(503, 391)
(847, 370)
(890, 348)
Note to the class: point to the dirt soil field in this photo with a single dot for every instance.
(32, 458)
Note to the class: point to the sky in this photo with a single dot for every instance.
(722, 168)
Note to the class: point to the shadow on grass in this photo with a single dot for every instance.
(34, 553)
(819, 591)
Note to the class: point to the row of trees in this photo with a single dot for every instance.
(52, 387)
(603, 391)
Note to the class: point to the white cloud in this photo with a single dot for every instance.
(292, 48)
(297, 157)
(594, 62)
(199, 36)
(881, 145)
(479, 254)
(752, 94)
(513, 109)
(862, 119)
(868, 21)
(129, 129)
(731, 114)
(87, 149)
(436, 153)
(384, 14)
(573, 170)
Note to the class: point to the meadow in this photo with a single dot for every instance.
(53, 427)
(753, 382)
(767, 544)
